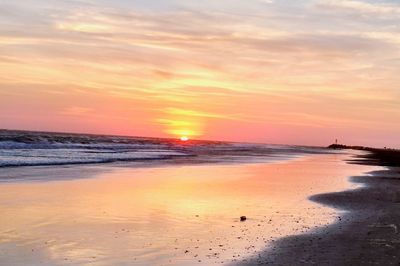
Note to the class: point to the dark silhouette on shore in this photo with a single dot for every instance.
(376, 156)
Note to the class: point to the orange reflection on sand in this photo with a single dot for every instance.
(154, 215)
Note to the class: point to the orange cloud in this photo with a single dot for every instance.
(133, 69)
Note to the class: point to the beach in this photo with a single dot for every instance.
(367, 232)
(175, 214)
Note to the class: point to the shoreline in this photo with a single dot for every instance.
(143, 216)
(38, 173)
(367, 232)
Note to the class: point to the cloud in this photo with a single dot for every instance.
(363, 7)
(76, 111)
(192, 113)
(210, 61)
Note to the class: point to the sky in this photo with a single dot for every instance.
(275, 71)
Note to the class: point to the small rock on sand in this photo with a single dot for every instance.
(243, 218)
(396, 197)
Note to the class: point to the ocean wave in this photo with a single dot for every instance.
(61, 157)
(25, 148)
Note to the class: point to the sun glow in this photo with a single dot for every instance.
(184, 138)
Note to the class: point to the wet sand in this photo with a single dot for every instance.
(177, 215)
(366, 234)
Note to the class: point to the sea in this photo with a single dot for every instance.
(79, 199)
(28, 148)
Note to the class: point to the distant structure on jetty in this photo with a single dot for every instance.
(342, 146)
(384, 157)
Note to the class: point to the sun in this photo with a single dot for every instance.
(184, 138)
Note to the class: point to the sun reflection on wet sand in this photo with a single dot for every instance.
(167, 215)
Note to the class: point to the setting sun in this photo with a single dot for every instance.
(184, 138)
